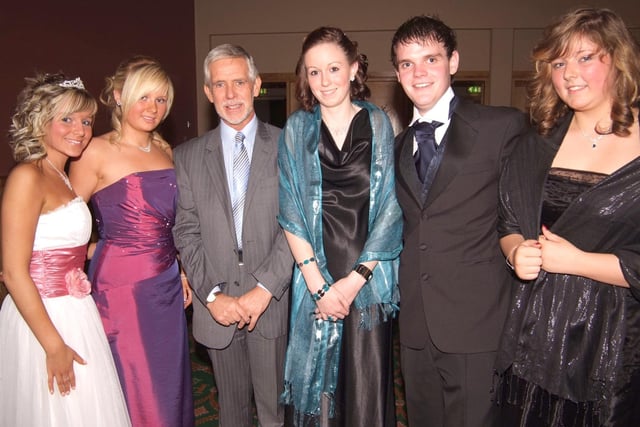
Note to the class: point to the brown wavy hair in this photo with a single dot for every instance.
(359, 88)
(605, 29)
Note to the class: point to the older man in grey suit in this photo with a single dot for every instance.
(231, 246)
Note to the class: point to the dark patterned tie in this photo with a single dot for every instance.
(240, 181)
(425, 136)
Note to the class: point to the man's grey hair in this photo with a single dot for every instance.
(228, 51)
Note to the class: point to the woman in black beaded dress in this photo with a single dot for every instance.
(570, 227)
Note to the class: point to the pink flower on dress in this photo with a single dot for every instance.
(77, 282)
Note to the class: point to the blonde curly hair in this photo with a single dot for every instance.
(42, 100)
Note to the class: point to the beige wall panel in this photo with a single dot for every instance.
(273, 53)
(278, 52)
(495, 36)
(475, 49)
(523, 41)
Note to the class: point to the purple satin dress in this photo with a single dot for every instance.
(138, 292)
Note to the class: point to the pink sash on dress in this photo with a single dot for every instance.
(59, 272)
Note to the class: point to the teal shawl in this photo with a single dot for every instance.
(311, 367)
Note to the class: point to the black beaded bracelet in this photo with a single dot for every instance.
(306, 261)
(320, 293)
(364, 271)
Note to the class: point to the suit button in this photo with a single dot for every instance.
(425, 277)
(236, 283)
(423, 247)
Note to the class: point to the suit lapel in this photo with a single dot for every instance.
(262, 152)
(406, 173)
(459, 142)
(214, 161)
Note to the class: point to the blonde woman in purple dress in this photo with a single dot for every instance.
(127, 174)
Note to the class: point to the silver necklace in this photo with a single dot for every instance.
(593, 139)
(63, 176)
(146, 149)
(339, 133)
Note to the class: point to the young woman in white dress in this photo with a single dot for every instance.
(56, 367)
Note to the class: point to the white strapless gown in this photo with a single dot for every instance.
(24, 397)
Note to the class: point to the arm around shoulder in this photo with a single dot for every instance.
(84, 171)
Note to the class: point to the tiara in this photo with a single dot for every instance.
(76, 83)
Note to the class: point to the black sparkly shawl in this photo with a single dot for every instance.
(566, 335)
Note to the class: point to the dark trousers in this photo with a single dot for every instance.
(448, 389)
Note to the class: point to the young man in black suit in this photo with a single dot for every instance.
(454, 285)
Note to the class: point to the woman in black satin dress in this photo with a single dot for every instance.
(343, 225)
(570, 227)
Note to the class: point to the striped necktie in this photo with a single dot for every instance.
(240, 181)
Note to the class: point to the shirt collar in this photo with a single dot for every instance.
(439, 112)
(228, 134)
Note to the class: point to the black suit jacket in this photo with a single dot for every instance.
(453, 278)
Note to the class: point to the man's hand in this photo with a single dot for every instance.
(255, 302)
(226, 310)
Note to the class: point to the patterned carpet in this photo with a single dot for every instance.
(205, 393)
(204, 390)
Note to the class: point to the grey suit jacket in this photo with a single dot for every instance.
(204, 233)
(453, 278)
